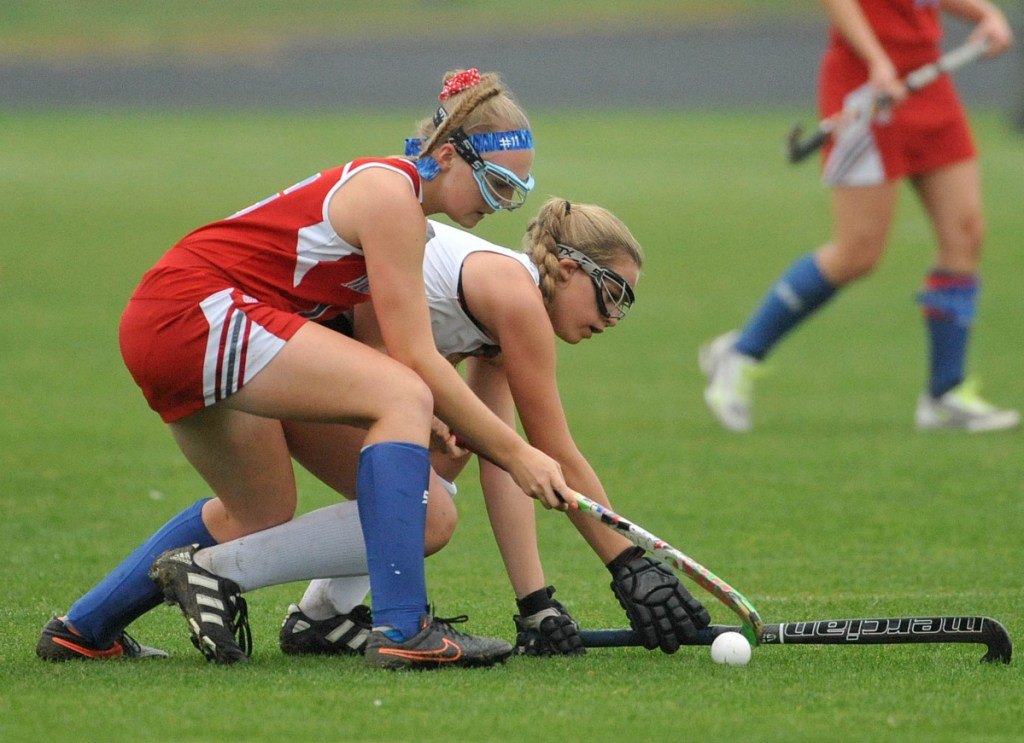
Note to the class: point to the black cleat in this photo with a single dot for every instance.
(58, 642)
(436, 645)
(344, 634)
(218, 616)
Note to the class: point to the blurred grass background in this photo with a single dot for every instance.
(34, 27)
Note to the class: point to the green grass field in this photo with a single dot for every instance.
(833, 507)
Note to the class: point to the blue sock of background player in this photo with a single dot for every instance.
(948, 302)
(127, 592)
(800, 290)
(392, 483)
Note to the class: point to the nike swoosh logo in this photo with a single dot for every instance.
(447, 653)
(116, 651)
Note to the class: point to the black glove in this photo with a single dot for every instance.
(544, 627)
(660, 610)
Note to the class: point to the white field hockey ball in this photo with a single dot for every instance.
(731, 648)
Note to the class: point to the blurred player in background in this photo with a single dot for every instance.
(924, 138)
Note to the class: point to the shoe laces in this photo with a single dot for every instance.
(239, 623)
(453, 620)
(747, 373)
(966, 396)
(447, 623)
(738, 374)
(129, 644)
(361, 615)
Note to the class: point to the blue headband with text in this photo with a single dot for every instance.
(516, 139)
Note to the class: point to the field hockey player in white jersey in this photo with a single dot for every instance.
(499, 311)
(223, 339)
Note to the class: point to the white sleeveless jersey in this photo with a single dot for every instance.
(456, 335)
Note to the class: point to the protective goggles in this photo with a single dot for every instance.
(500, 187)
(614, 294)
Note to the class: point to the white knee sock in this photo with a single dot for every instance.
(328, 597)
(326, 543)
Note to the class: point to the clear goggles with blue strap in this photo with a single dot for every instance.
(500, 187)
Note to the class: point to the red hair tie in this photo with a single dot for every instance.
(458, 83)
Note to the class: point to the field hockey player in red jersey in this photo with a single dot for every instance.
(922, 137)
(222, 337)
(499, 312)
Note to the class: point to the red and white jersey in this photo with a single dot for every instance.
(283, 250)
(220, 305)
(927, 131)
(900, 22)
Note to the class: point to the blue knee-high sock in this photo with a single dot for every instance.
(801, 290)
(127, 592)
(392, 495)
(948, 303)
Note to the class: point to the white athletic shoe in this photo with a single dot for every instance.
(730, 381)
(963, 408)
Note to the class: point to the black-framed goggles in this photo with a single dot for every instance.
(614, 294)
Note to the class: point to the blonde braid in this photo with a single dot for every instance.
(590, 229)
(484, 107)
(540, 243)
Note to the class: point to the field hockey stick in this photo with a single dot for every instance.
(882, 631)
(668, 555)
(798, 148)
(663, 552)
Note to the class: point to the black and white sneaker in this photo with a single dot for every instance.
(344, 634)
(217, 615)
(436, 645)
